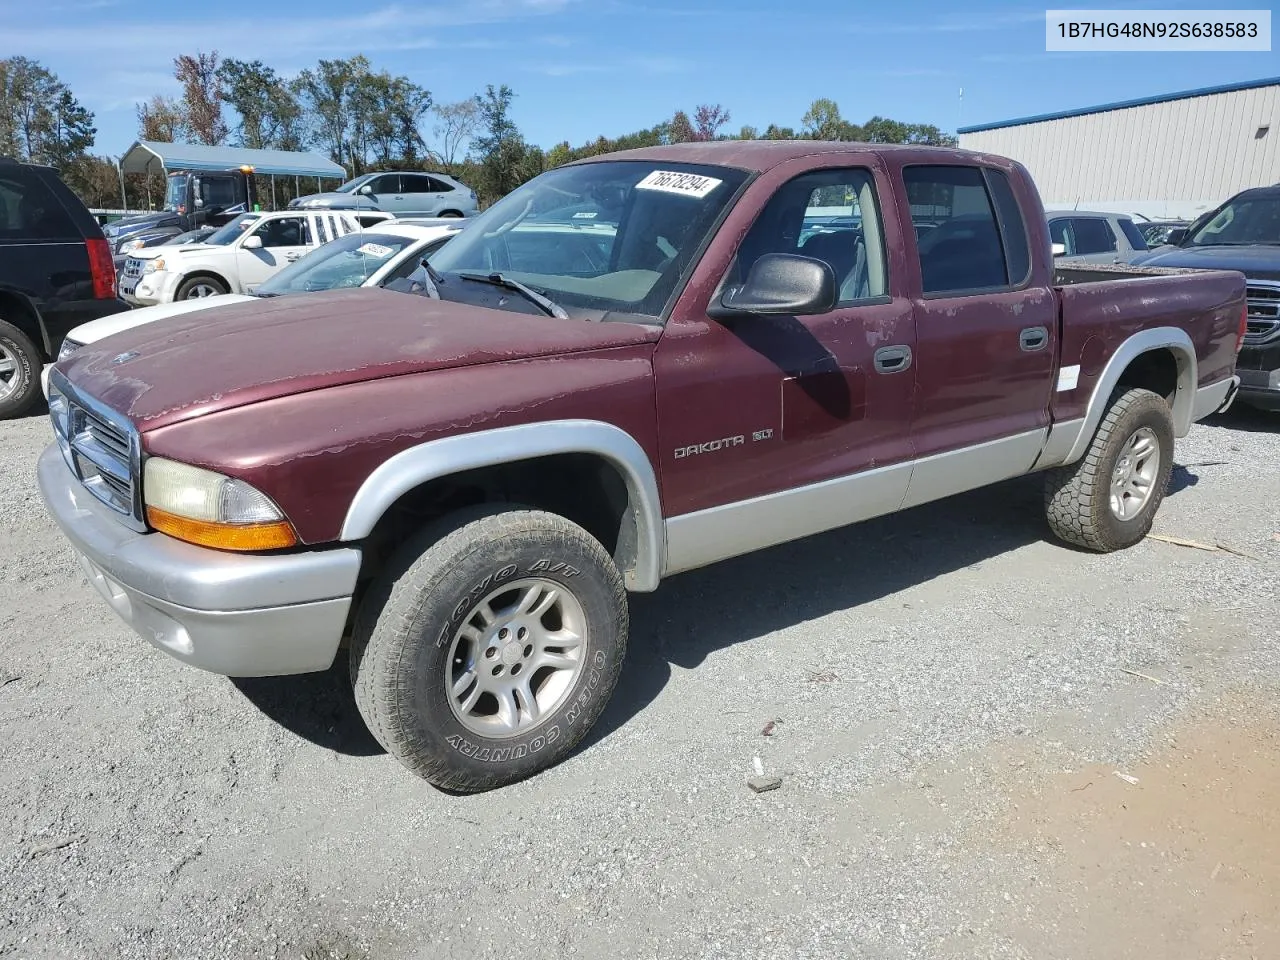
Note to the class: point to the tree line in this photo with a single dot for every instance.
(362, 118)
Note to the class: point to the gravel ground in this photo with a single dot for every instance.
(931, 677)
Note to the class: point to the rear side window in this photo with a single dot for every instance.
(440, 186)
(1093, 235)
(30, 212)
(1133, 235)
(963, 252)
(416, 183)
(1017, 252)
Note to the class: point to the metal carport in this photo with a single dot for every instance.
(155, 156)
(158, 156)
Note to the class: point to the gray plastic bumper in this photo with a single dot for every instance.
(242, 615)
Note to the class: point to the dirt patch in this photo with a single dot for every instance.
(1183, 862)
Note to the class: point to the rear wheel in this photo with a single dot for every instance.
(1108, 499)
(489, 646)
(20, 363)
(451, 213)
(198, 287)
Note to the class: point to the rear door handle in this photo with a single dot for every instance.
(1033, 339)
(892, 359)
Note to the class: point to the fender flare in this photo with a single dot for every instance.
(485, 448)
(204, 272)
(25, 303)
(1173, 339)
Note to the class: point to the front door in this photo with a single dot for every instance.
(986, 333)
(284, 240)
(772, 428)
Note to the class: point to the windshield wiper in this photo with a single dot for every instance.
(549, 307)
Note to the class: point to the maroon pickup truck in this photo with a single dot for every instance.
(630, 367)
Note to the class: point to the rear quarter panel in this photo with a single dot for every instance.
(323, 444)
(1099, 316)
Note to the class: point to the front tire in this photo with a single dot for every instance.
(489, 646)
(197, 288)
(20, 364)
(1108, 499)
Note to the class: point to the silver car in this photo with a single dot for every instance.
(399, 193)
(1094, 237)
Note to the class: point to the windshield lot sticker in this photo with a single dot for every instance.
(684, 184)
(376, 250)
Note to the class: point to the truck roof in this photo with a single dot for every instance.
(761, 155)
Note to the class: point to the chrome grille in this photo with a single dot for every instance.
(1263, 324)
(100, 447)
(133, 267)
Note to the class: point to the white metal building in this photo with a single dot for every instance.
(1171, 156)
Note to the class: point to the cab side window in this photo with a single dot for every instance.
(1093, 235)
(828, 215)
(285, 232)
(964, 252)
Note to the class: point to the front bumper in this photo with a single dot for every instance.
(1260, 388)
(241, 615)
(151, 288)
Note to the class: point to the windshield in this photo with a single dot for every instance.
(613, 236)
(346, 262)
(353, 184)
(232, 230)
(1244, 221)
(175, 195)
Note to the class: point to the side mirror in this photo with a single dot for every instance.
(1176, 236)
(1059, 249)
(367, 190)
(252, 243)
(783, 284)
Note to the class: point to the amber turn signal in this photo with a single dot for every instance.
(275, 535)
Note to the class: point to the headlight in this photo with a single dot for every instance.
(154, 265)
(68, 347)
(206, 508)
(131, 245)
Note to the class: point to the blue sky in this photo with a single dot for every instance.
(581, 68)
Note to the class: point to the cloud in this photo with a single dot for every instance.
(392, 27)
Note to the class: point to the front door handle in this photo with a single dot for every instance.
(892, 359)
(1033, 339)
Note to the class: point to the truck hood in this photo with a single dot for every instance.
(95, 330)
(144, 221)
(169, 250)
(164, 373)
(1255, 262)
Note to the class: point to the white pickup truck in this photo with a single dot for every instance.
(235, 259)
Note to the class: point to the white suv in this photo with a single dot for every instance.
(234, 259)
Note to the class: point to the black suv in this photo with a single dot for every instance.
(56, 272)
(1242, 234)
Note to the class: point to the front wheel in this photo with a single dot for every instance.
(199, 287)
(1108, 499)
(489, 646)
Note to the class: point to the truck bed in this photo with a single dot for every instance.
(1102, 305)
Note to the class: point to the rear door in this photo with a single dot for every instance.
(986, 338)
(420, 194)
